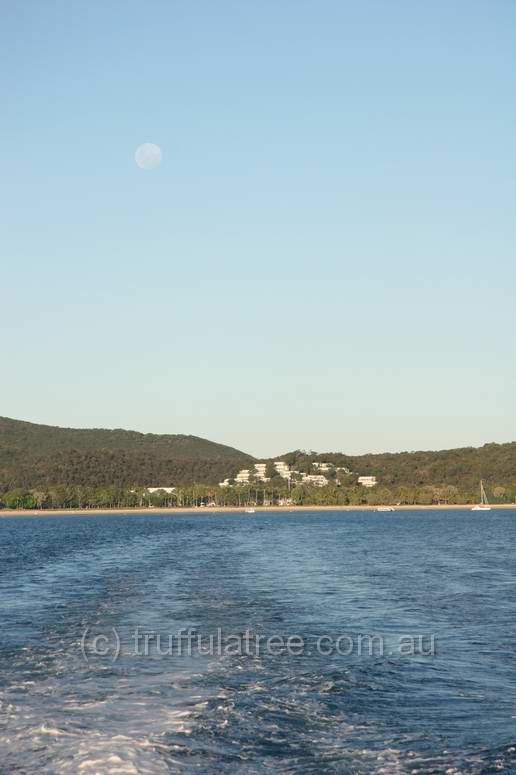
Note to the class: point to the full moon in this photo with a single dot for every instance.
(148, 156)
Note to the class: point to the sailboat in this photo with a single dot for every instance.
(484, 504)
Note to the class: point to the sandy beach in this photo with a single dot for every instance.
(236, 509)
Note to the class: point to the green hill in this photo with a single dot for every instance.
(462, 467)
(33, 455)
(41, 457)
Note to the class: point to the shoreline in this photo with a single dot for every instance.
(198, 510)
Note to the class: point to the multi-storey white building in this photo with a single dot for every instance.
(260, 469)
(318, 480)
(244, 475)
(367, 481)
(282, 469)
(322, 466)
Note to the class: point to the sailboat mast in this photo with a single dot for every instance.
(484, 503)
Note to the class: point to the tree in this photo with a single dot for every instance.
(499, 493)
(19, 499)
(270, 471)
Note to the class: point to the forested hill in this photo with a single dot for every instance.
(496, 463)
(32, 455)
(462, 467)
(38, 456)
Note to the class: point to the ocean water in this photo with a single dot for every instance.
(81, 693)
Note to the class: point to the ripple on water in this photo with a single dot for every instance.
(307, 574)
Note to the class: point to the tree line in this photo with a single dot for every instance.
(272, 494)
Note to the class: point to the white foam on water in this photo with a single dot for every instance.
(117, 755)
(91, 752)
(122, 731)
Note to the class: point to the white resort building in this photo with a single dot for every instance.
(282, 469)
(367, 481)
(318, 480)
(260, 469)
(321, 466)
(247, 476)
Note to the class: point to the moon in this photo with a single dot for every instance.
(148, 156)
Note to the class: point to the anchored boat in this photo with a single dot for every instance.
(484, 503)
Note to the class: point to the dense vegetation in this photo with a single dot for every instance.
(461, 468)
(273, 493)
(47, 467)
(41, 456)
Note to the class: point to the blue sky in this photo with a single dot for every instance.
(325, 257)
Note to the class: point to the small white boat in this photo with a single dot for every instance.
(484, 503)
(385, 508)
(249, 511)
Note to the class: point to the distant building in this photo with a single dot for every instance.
(317, 480)
(322, 466)
(260, 469)
(367, 481)
(160, 489)
(243, 476)
(282, 469)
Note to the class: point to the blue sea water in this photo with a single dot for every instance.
(65, 580)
